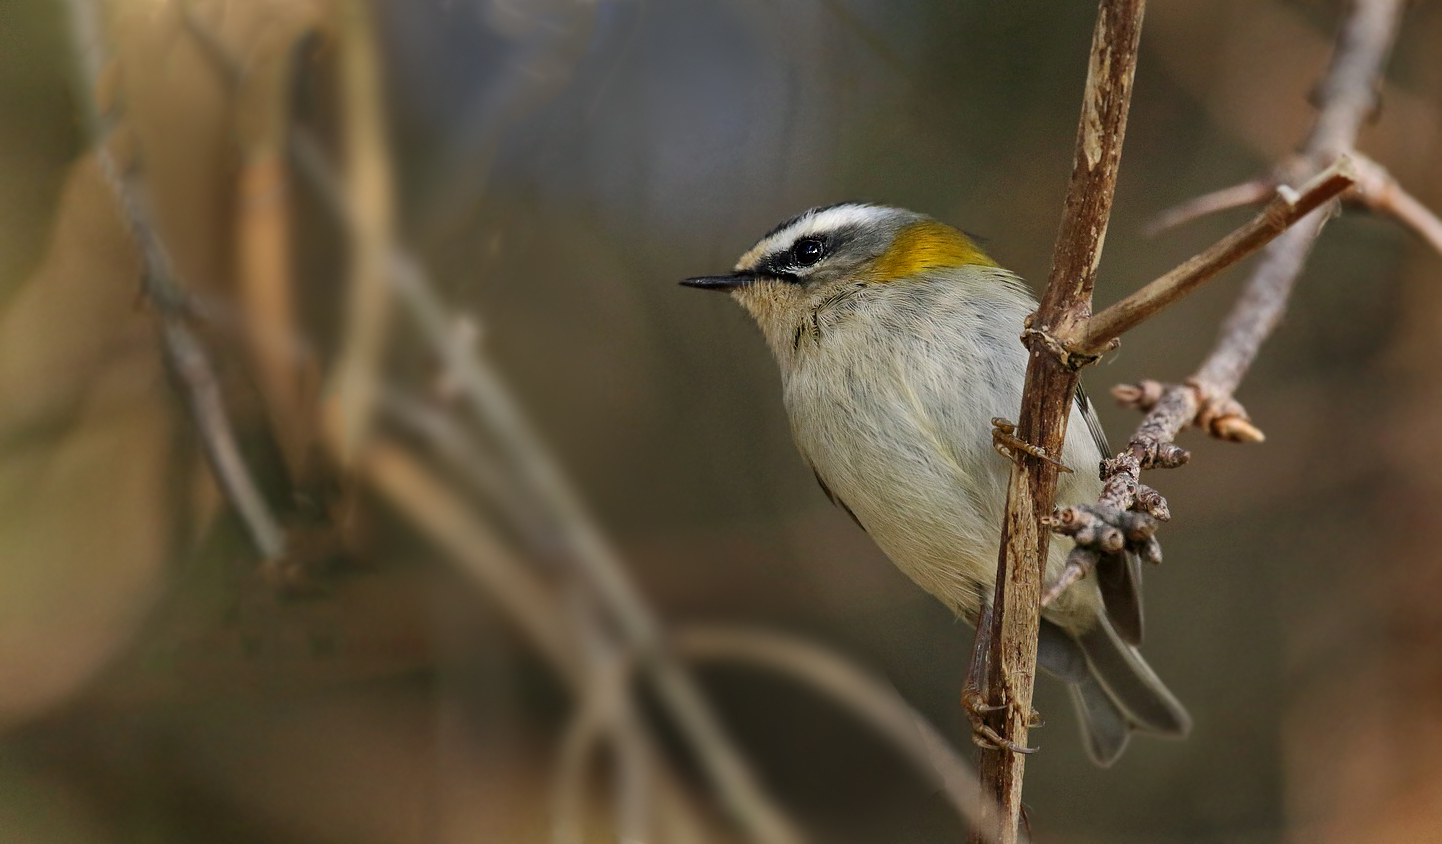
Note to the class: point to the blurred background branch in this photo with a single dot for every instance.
(599, 622)
(184, 353)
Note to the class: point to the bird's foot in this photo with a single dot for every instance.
(982, 734)
(1007, 444)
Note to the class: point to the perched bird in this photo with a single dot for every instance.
(897, 342)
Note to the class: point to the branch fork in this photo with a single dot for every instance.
(1066, 351)
(1375, 189)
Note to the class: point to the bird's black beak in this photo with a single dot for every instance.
(721, 282)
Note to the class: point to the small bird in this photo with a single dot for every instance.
(896, 337)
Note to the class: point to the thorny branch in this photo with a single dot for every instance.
(1347, 98)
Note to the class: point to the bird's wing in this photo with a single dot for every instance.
(1094, 425)
(1119, 576)
(835, 499)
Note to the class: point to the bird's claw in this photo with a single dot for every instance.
(988, 739)
(983, 736)
(1007, 444)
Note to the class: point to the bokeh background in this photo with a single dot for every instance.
(559, 165)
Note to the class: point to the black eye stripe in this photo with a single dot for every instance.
(802, 253)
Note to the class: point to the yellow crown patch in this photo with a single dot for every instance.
(925, 246)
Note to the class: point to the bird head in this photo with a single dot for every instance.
(837, 251)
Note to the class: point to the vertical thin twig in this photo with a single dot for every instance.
(369, 197)
(1047, 399)
(285, 370)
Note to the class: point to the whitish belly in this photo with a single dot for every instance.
(918, 472)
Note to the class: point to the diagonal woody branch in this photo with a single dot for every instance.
(1380, 191)
(1286, 209)
(1376, 189)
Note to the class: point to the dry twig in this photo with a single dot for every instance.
(1047, 400)
(1236, 196)
(1347, 99)
(1380, 191)
(1285, 209)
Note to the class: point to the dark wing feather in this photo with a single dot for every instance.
(835, 499)
(1094, 425)
(1119, 576)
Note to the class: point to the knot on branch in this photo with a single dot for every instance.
(1143, 453)
(1100, 531)
(1105, 528)
(1218, 414)
(1163, 455)
(1223, 416)
(1070, 358)
(1142, 395)
(1152, 503)
(1123, 489)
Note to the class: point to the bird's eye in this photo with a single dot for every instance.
(807, 251)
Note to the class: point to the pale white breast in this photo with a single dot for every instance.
(890, 397)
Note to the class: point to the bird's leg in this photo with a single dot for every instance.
(973, 694)
(1007, 444)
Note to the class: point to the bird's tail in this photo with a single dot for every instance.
(1114, 690)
